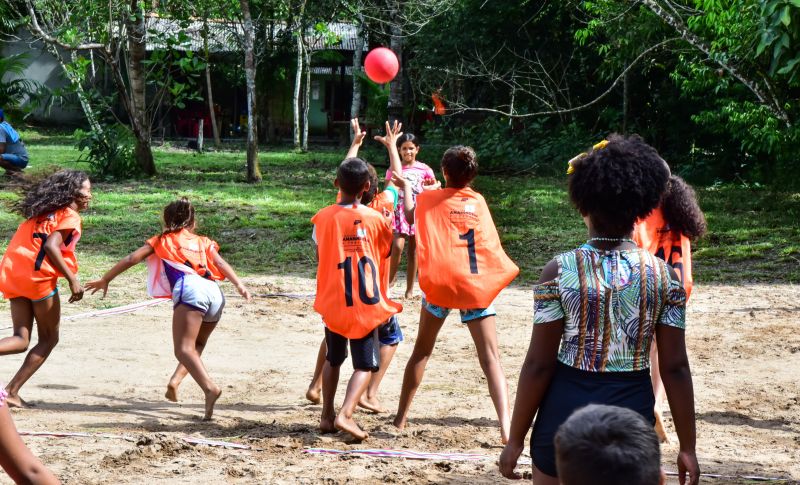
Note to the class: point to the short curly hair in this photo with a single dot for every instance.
(461, 166)
(618, 184)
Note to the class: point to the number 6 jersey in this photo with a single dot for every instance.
(354, 243)
(26, 270)
(461, 262)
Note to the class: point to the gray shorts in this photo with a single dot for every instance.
(200, 294)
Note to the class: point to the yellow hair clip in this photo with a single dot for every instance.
(597, 146)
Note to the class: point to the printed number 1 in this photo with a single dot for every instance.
(40, 256)
(347, 266)
(469, 236)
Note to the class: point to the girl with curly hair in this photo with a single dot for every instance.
(41, 251)
(184, 266)
(596, 310)
(668, 233)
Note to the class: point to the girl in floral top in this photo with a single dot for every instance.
(596, 310)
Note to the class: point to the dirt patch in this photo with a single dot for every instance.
(108, 376)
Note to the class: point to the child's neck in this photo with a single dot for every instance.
(349, 200)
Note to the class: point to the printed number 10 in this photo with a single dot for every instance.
(469, 236)
(347, 266)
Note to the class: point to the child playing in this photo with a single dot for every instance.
(185, 266)
(668, 233)
(19, 463)
(596, 309)
(41, 251)
(463, 266)
(389, 334)
(417, 174)
(353, 242)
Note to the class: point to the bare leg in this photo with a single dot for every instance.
(429, 326)
(22, 318)
(369, 400)
(180, 371)
(16, 459)
(330, 379)
(484, 335)
(47, 314)
(542, 478)
(658, 391)
(397, 254)
(355, 388)
(186, 324)
(411, 266)
(315, 387)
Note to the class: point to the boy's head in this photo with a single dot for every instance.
(607, 445)
(460, 166)
(618, 184)
(352, 177)
(373, 185)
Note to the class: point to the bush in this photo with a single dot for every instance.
(109, 153)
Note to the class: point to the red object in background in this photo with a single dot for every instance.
(187, 121)
(381, 65)
(438, 104)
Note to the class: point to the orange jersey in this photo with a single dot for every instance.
(26, 270)
(354, 244)
(461, 261)
(654, 235)
(176, 253)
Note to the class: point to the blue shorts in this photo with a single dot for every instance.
(50, 295)
(466, 315)
(390, 333)
(14, 160)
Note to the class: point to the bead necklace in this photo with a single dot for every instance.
(612, 239)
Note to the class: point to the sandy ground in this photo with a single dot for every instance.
(108, 375)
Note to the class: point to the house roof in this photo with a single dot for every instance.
(226, 36)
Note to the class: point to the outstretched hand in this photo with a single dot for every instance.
(97, 285)
(77, 291)
(358, 135)
(245, 293)
(392, 134)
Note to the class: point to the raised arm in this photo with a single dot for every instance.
(358, 138)
(229, 273)
(389, 140)
(534, 379)
(122, 265)
(52, 247)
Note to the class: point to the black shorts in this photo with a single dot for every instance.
(572, 389)
(364, 350)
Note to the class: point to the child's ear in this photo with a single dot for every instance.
(367, 186)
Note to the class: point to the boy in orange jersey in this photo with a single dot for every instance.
(353, 242)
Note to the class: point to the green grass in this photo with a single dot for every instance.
(753, 235)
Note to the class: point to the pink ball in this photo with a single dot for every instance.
(381, 65)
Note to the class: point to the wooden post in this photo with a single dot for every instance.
(200, 135)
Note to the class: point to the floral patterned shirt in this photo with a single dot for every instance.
(610, 302)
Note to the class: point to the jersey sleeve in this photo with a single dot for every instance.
(153, 241)
(393, 195)
(69, 220)
(547, 302)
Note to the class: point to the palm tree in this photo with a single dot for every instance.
(14, 89)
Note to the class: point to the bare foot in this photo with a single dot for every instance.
(409, 294)
(211, 399)
(348, 425)
(373, 405)
(399, 423)
(326, 424)
(659, 427)
(172, 392)
(313, 395)
(14, 401)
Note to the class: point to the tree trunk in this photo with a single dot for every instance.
(77, 84)
(298, 80)
(253, 171)
(395, 105)
(211, 113)
(306, 100)
(136, 76)
(625, 101)
(355, 106)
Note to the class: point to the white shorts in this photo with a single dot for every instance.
(200, 294)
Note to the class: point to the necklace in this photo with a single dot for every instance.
(612, 239)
